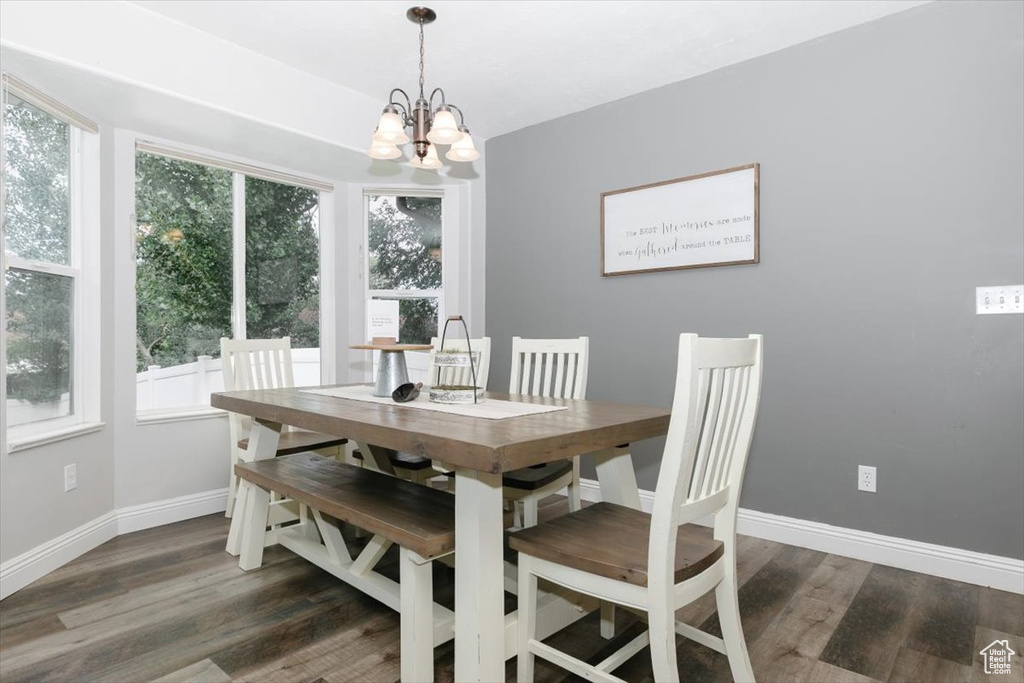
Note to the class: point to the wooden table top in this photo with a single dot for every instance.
(477, 443)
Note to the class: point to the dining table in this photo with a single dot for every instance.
(480, 450)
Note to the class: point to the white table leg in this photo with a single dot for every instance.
(617, 478)
(417, 625)
(479, 577)
(263, 442)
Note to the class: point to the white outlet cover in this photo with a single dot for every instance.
(1000, 299)
(867, 478)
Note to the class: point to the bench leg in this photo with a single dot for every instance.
(234, 545)
(254, 528)
(417, 599)
(232, 486)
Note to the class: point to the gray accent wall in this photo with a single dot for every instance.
(892, 184)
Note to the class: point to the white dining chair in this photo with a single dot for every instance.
(556, 368)
(659, 562)
(265, 364)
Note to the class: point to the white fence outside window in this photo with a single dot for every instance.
(192, 383)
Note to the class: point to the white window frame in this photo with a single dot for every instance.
(406, 293)
(83, 269)
(242, 168)
(360, 365)
(446, 261)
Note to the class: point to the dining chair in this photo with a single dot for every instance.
(265, 364)
(658, 562)
(546, 367)
(416, 467)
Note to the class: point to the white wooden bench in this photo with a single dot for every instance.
(420, 520)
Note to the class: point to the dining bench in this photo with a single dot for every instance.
(418, 519)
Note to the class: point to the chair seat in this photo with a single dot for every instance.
(300, 440)
(533, 478)
(611, 540)
(403, 460)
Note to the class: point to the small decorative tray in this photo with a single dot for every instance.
(449, 358)
(456, 395)
(455, 358)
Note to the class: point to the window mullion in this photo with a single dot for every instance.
(238, 256)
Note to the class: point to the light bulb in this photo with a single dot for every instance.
(390, 129)
(443, 129)
(464, 149)
(383, 150)
(429, 162)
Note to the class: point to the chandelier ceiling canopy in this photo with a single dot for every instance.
(430, 125)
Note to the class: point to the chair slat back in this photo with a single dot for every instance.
(254, 364)
(550, 367)
(718, 389)
(461, 376)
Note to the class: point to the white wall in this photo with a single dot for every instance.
(33, 505)
(120, 63)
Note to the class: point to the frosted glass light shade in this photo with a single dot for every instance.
(429, 162)
(390, 129)
(383, 150)
(443, 129)
(463, 150)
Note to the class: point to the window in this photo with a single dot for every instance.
(404, 249)
(282, 273)
(219, 254)
(45, 294)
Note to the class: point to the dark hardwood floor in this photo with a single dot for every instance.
(169, 604)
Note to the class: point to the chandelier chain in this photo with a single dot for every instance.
(421, 58)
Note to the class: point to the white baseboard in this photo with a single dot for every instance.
(22, 570)
(1004, 573)
(149, 515)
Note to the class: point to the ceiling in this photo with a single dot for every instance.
(509, 64)
(178, 121)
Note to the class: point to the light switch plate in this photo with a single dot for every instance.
(1000, 299)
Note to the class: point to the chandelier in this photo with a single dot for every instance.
(430, 126)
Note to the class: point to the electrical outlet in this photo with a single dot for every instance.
(867, 478)
(70, 477)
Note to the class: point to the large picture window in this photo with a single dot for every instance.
(404, 247)
(219, 254)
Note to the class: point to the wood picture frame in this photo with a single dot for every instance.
(700, 221)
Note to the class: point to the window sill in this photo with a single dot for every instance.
(151, 417)
(53, 436)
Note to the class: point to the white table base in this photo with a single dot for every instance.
(484, 636)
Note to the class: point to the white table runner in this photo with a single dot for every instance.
(490, 409)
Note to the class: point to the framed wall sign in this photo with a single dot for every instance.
(700, 221)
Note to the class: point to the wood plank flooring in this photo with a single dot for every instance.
(168, 604)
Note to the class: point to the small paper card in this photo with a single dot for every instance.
(382, 318)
